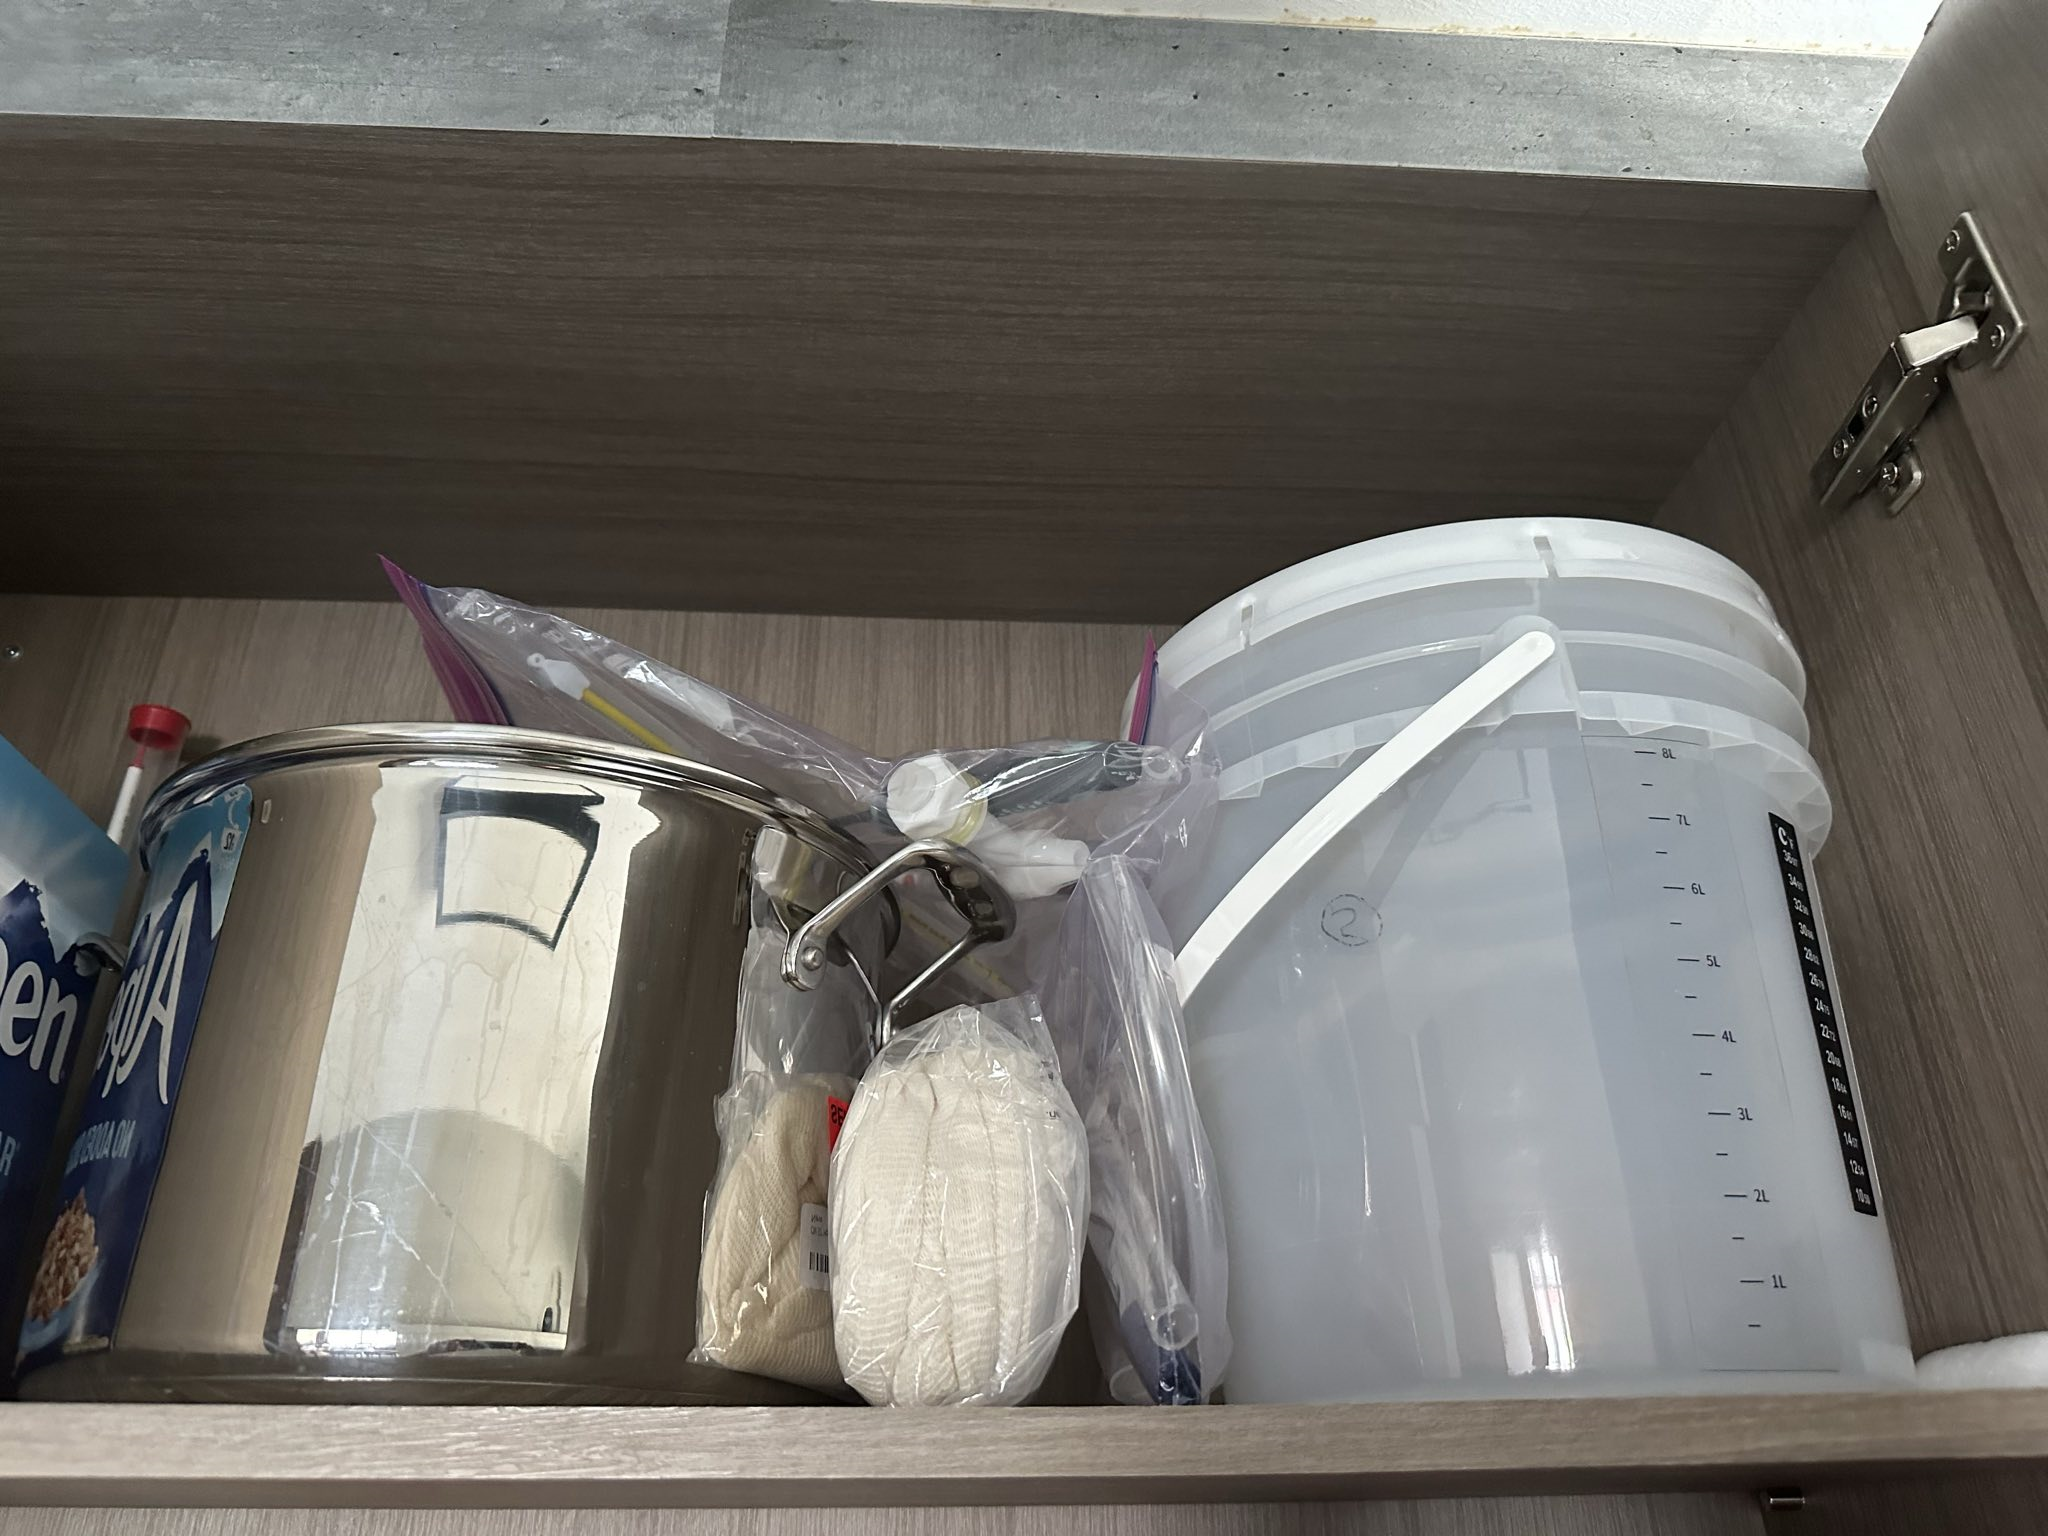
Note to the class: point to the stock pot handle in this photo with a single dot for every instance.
(976, 895)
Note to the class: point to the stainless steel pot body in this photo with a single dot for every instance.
(443, 1126)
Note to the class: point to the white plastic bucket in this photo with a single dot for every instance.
(1532, 1081)
(1442, 584)
(1413, 677)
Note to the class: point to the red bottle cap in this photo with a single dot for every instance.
(157, 725)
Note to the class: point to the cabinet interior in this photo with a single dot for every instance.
(1259, 363)
(830, 378)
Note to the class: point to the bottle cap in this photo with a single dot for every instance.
(929, 797)
(157, 725)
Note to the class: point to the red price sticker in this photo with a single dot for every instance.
(835, 1117)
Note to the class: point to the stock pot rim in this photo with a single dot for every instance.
(458, 746)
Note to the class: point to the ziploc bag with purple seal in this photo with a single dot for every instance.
(1078, 832)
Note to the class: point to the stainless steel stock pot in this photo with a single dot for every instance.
(407, 1092)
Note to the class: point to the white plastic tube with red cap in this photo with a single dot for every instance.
(156, 735)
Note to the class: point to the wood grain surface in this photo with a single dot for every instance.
(239, 359)
(199, 1455)
(1723, 1514)
(1928, 658)
(1964, 132)
(1998, 1504)
(242, 669)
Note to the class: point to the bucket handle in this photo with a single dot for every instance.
(976, 895)
(1491, 682)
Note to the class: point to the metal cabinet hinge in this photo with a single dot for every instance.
(1980, 321)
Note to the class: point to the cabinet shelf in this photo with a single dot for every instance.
(622, 1457)
(736, 384)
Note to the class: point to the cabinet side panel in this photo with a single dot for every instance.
(1964, 132)
(1928, 656)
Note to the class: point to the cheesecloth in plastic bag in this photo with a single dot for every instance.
(959, 1208)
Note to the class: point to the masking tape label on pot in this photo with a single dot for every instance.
(111, 1165)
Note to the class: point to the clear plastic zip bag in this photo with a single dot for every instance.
(764, 1298)
(1082, 833)
(959, 1210)
(764, 1283)
(1156, 1224)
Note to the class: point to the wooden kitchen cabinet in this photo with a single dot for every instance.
(952, 426)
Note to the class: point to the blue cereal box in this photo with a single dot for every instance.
(61, 879)
(109, 1167)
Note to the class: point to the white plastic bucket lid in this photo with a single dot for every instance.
(1760, 693)
(1778, 757)
(1525, 549)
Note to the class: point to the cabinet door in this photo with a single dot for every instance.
(1927, 647)
(1968, 129)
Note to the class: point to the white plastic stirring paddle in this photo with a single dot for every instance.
(1342, 806)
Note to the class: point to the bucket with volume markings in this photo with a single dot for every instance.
(1534, 1080)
